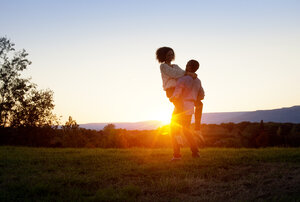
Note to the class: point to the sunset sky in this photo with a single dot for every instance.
(99, 56)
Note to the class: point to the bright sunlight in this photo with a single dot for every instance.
(165, 117)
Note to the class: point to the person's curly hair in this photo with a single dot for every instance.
(162, 52)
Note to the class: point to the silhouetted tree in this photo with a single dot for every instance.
(261, 126)
(109, 128)
(110, 135)
(71, 124)
(21, 104)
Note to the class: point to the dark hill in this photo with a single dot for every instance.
(283, 115)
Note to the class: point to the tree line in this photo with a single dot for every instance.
(236, 135)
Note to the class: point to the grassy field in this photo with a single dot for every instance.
(45, 174)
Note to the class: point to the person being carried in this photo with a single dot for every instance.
(187, 92)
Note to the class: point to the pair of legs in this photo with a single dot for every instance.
(198, 108)
(198, 114)
(181, 122)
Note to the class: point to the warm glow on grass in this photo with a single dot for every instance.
(164, 130)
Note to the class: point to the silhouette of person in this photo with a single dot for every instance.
(186, 93)
(170, 73)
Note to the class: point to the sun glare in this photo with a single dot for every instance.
(165, 118)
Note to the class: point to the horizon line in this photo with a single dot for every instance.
(113, 122)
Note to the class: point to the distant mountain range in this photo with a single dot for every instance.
(282, 115)
(144, 125)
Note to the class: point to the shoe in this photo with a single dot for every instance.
(176, 158)
(195, 155)
(199, 136)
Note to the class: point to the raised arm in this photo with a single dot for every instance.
(171, 72)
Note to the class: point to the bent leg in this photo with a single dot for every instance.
(198, 114)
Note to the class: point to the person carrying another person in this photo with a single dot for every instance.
(188, 91)
(170, 73)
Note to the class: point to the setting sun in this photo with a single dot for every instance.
(164, 117)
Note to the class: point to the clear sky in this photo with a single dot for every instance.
(99, 56)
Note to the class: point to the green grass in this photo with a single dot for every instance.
(45, 174)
